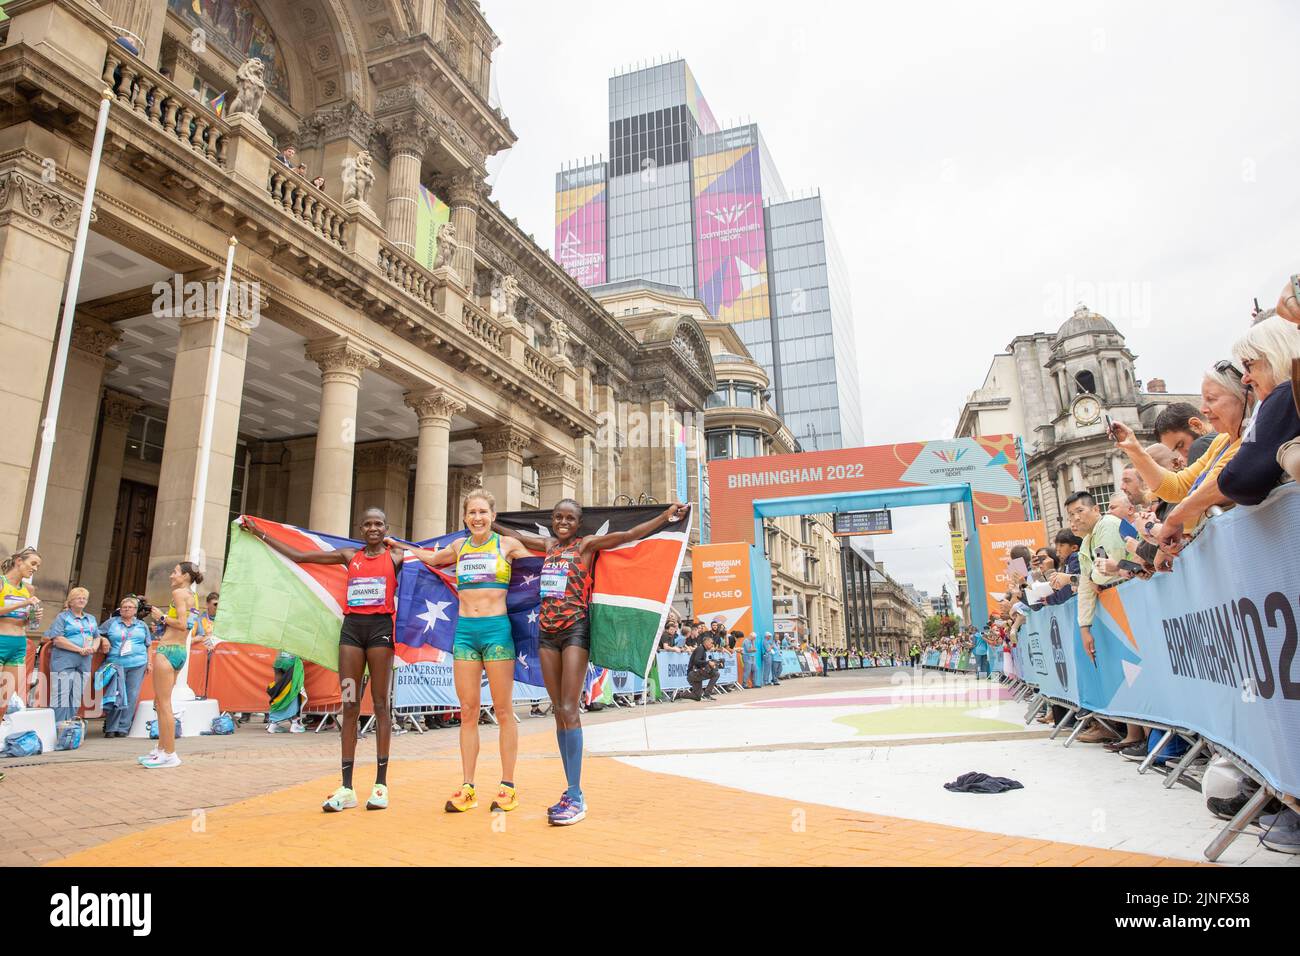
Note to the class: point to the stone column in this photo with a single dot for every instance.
(604, 479)
(118, 409)
(142, 19)
(558, 478)
(70, 464)
(463, 196)
(341, 364)
(661, 455)
(434, 410)
(408, 140)
(503, 464)
(383, 479)
(1076, 476)
(180, 463)
(37, 223)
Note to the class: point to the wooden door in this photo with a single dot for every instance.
(128, 562)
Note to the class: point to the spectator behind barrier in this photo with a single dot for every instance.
(1266, 353)
(1180, 429)
(1196, 488)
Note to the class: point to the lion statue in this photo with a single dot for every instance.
(358, 177)
(447, 246)
(251, 81)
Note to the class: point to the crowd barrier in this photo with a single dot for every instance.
(1210, 649)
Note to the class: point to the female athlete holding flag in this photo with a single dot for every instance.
(564, 643)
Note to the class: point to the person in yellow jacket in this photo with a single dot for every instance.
(1195, 489)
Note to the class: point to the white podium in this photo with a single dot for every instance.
(195, 714)
(39, 719)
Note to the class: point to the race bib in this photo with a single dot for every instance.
(477, 568)
(366, 592)
(555, 577)
(10, 601)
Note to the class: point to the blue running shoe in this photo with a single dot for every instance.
(571, 811)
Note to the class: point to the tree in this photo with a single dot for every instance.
(933, 627)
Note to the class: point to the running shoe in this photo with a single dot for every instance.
(162, 761)
(571, 811)
(555, 808)
(378, 798)
(462, 800)
(506, 800)
(344, 798)
(150, 756)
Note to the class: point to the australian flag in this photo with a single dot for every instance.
(428, 608)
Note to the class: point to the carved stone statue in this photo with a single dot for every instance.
(251, 82)
(358, 177)
(509, 294)
(560, 336)
(447, 246)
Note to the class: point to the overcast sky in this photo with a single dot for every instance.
(984, 166)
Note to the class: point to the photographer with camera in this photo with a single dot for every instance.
(702, 668)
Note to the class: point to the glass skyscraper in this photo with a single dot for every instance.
(683, 202)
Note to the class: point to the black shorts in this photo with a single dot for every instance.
(575, 635)
(366, 631)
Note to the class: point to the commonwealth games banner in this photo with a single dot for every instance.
(1211, 647)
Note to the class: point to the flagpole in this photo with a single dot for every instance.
(210, 411)
(37, 512)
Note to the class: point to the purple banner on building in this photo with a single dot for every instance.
(731, 248)
(580, 233)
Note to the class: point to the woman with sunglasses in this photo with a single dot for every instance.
(1225, 402)
(20, 606)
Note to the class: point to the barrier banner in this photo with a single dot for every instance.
(803, 663)
(430, 684)
(932, 659)
(790, 664)
(1210, 648)
(814, 662)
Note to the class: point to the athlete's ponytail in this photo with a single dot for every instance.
(191, 569)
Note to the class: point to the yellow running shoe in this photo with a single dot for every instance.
(462, 800)
(506, 800)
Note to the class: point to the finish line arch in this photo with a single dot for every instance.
(985, 475)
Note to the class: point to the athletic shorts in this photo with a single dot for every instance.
(174, 653)
(483, 639)
(13, 650)
(366, 631)
(575, 635)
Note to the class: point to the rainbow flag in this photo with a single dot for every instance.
(218, 104)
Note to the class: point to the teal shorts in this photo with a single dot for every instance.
(13, 650)
(174, 654)
(483, 639)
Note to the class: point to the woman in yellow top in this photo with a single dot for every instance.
(483, 642)
(1225, 403)
(168, 660)
(20, 605)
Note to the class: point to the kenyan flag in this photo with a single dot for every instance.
(633, 584)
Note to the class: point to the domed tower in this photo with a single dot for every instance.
(1090, 360)
(1090, 370)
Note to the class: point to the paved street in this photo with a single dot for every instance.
(846, 770)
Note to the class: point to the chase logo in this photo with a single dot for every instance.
(1058, 655)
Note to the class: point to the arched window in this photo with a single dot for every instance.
(1085, 383)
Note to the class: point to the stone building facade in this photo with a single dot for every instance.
(358, 374)
(738, 420)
